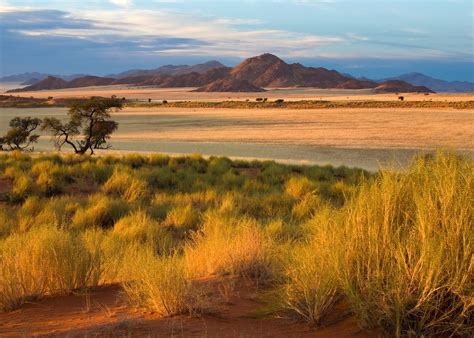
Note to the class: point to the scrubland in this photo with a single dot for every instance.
(394, 248)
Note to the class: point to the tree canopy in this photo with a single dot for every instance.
(89, 126)
(20, 136)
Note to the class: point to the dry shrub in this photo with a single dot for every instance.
(406, 249)
(140, 227)
(100, 211)
(297, 187)
(159, 284)
(50, 177)
(229, 246)
(127, 186)
(23, 186)
(42, 261)
(311, 286)
(182, 217)
(306, 206)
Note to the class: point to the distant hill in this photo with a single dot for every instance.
(24, 77)
(251, 75)
(50, 82)
(31, 82)
(398, 86)
(87, 81)
(268, 70)
(31, 78)
(438, 85)
(170, 70)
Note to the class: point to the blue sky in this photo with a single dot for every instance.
(374, 38)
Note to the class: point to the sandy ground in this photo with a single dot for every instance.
(289, 94)
(354, 128)
(103, 312)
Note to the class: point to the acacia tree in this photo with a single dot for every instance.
(20, 136)
(89, 126)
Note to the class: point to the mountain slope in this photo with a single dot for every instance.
(50, 82)
(268, 70)
(397, 86)
(87, 81)
(170, 70)
(438, 85)
(253, 74)
(29, 77)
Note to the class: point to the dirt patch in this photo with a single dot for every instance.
(250, 172)
(104, 312)
(6, 185)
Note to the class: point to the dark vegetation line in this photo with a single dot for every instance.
(10, 101)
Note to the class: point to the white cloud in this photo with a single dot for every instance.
(121, 3)
(168, 32)
(215, 36)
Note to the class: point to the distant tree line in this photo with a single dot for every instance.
(88, 127)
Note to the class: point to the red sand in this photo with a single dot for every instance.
(105, 313)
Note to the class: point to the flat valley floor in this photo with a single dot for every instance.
(363, 137)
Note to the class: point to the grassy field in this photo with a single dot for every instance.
(393, 248)
(355, 137)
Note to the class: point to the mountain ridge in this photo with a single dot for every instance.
(253, 74)
(419, 79)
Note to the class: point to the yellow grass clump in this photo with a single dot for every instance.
(127, 186)
(407, 246)
(229, 246)
(159, 283)
(42, 261)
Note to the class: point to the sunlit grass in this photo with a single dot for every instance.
(395, 248)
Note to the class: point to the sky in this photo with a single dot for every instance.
(372, 38)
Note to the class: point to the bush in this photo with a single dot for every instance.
(160, 285)
(23, 187)
(41, 261)
(51, 178)
(298, 187)
(229, 246)
(406, 248)
(139, 227)
(312, 288)
(127, 186)
(185, 218)
(101, 211)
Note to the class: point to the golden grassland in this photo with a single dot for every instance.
(395, 247)
(375, 128)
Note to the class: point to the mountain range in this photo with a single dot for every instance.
(251, 75)
(31, 78)
(437, 85)
(170, 70)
